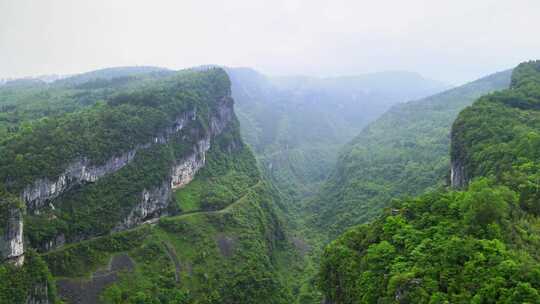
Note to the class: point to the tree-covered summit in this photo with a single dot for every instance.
(116, 121)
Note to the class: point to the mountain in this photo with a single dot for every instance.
(404, 152)
(125, 187)
(474, 243)
(107, 74)
(296, 125)
(30, 99)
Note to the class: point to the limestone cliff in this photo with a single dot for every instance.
(43, 190)
(458, 178)
(154, 202)
(12, 242)
(458, 155)
(185, 170)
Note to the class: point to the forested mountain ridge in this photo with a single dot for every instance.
(296, 125)
(84, 192)
(24, 100)
(474, 245)
(479, 148)
(404, 152)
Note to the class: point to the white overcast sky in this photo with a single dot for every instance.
(449, 40)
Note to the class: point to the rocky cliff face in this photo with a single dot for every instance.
(223, 115)
(12, 243)
(184, 172)
(458, 177)
(152, 205)
(155, 201)
(458, 170)
(58, 241)
(43, 190)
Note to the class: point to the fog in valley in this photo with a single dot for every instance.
(269, 152)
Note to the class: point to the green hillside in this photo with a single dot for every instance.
(134, 186)
(404, 152)
(297, 125)
(477, 245)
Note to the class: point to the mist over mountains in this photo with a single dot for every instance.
(297, 124)
(225, 185)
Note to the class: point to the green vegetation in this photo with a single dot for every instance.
(500, 133)
(45, 147)
(297, 125)
(223, 256)
(238, 254)
(475, 246)
(479, 245)
(404, 152)
(18, 284)
(82, 258)
(224, 179)
(21, 101)
(223, 240)
(129, 118)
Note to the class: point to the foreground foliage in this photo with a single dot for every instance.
(404, 152)
(478, 245)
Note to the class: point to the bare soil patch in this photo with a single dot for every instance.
(226, 244)
(83, 291)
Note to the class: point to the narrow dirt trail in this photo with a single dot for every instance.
(171, 253)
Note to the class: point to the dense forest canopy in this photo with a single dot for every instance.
(124, 118)
(478, 245)
(404, 152)
(223, 239)
(239, 234)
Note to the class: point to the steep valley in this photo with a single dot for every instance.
(475, 242)
(404, 152)
(297, 125)
(140, 185)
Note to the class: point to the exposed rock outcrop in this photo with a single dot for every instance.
(185, 170)
(44, 189)
(154, 202)
(223, 115)
(458, 177)
(88, 291)
(12, 242)
(58, 241)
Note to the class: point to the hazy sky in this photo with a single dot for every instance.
(448, 40)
